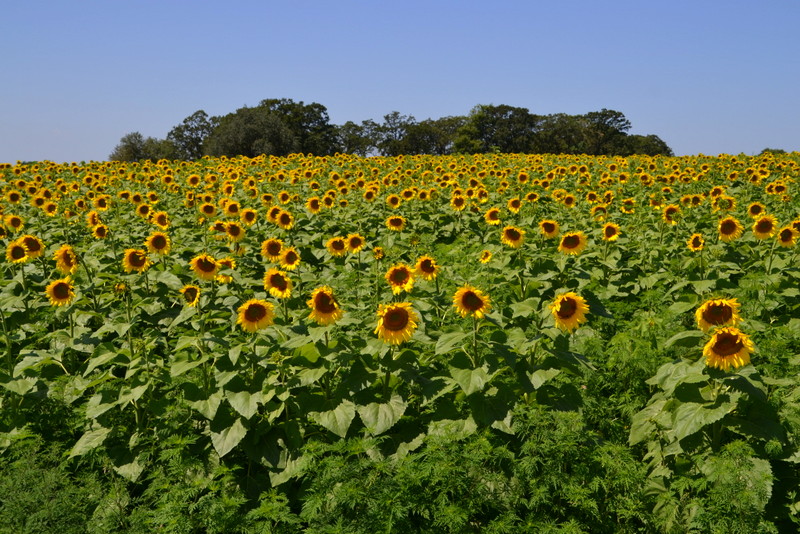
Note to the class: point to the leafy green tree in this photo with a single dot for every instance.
(562, 134)
(607, 131)
(392, 133)
(189, 136)
(355, 138)
(433, 136)
(650, 145)
(498, 128)
(134, 147)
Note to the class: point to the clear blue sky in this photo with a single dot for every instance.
(705, 76)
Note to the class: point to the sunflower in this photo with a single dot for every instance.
(729, 229)
(400, 278)
(249, 216)
(66, 259)
(135, 259)
(765, 226)
(14, 222)
(271, 249)
(337, 246)
(204, 266)
(512, 236)
(191, 295)
(60, 292)
(17, 252)
(161, 219)
(396, 223)
(325, 308)
(514, 205)
(100, 231)
(787, 236)
(717, 312)
(727, 348)
(396, 322)
(569, 311)
(572, 243)
(549, 228)
(669, 213)
(290, 258)
(255, 314)
(143, 210)
(492, 216)
(285, 220)
(355, 242)
(756, 209)
(208, 209)
(378, 253)
(426, 267)
(313, 205)
(277, 283)
(393, 201)
(486, 256)
(234, 231)
(696, 243)
(458, 203)
(158, 243)
(471, 301)
(33, 244)
(611, 232)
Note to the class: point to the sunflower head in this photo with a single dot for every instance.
(17, 252)
(569, 310)
(396, 322)
(271, 249)
(285, 220)
(325, 308)
(572, 243)
(426, 268)
(234, 231)
(60, 292)
(729, 229)
(337, 246)
(765, 227)
(100, 231)
(66, 259)
(512, 236)
(277, 283)
(611, 232)
(191, 295)
(158, 243)
(33, 244)
(717, 312)
(255, 314)
(485, 257)
(728, 347)
(378, 253)
(290, 258)
(204, 266)
(787, 236)
(396, 223)
(355, 242)
(400, 278)
(471, 301)
(135, 259)
(696, 243)
(492, 216)
(549, 228)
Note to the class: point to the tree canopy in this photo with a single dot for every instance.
(282, 126)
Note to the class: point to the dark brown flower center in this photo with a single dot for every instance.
(159, 242)
(273, 248)
(324, 303)
(764, 226)
(727, 344)
(278, 282)
(61, 291)
(137, 259)
(338, 245)
(399, 276)
(471, 301)
(17, 252)
(717, 314)
(396, 319)
(206, 265)
(567, 308)
(291, 258)
(571, 241)
(727, 228)
(549, 228)
(255, 312)
(512, 234)
(190, 294)
(610, 231)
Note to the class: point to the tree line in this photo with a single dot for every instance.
(282, 126)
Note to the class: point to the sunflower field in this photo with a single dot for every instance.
(486, 343)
